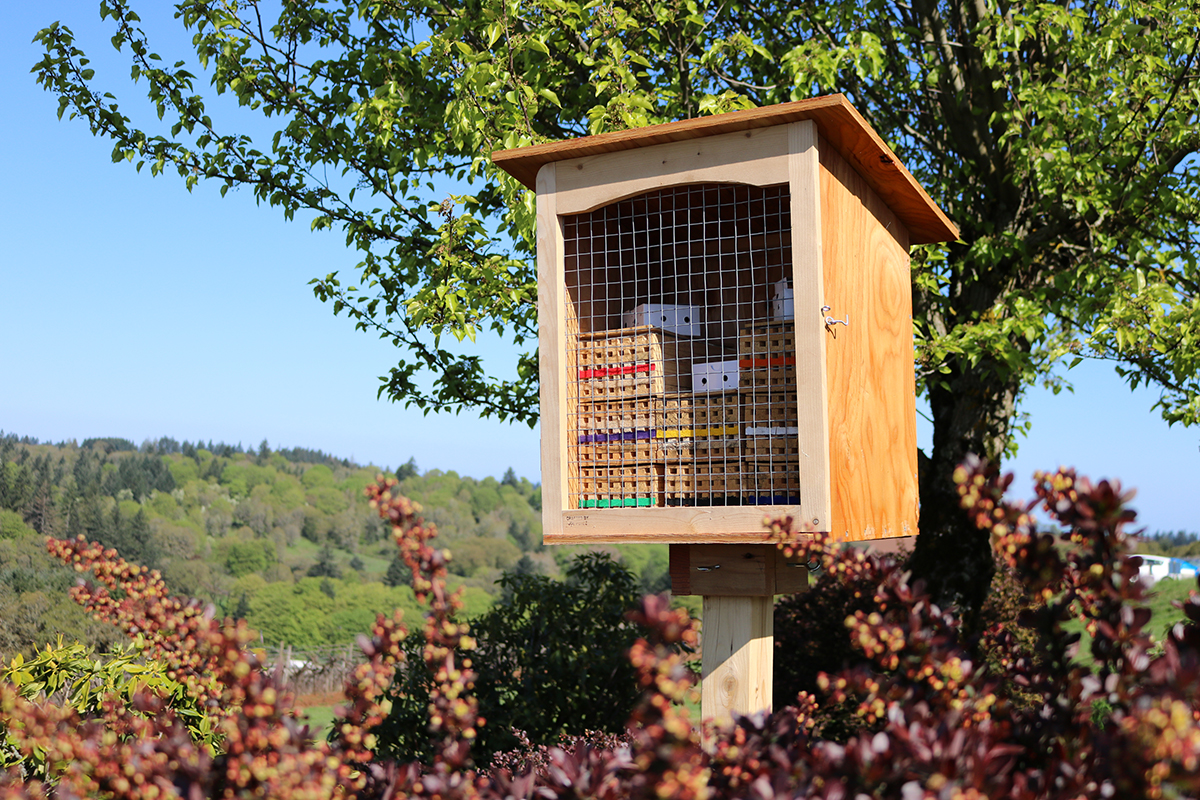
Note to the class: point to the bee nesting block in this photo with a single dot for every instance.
(624, 486)
(698, 417)
(618, 388)
(677, 412)
(769, 379)
(767, 341)
(674, 450)
(716, 410)
(679, 482)
(699, 433)
(770, 483)
(633, 353)
(610, 437)
(770, 410)
(617, 453)
(703, 483)
(617, 415)
(723, 450)
(770, 448)
(718, 482)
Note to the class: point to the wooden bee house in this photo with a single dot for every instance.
(726, 327)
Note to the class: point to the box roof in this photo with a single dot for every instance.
(838, 124)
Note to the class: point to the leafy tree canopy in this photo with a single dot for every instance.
(1060, 137)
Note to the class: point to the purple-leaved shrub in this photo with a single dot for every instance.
(923, 712)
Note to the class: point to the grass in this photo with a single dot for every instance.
(318, 710)
(1159, 600)
(320, 720)
(1162, 595)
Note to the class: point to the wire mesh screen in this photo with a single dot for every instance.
(681, 357)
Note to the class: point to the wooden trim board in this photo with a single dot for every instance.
(757, 157)
(729, 524)
(808, 288)
(552, 370)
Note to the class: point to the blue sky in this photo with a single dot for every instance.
(129, 307)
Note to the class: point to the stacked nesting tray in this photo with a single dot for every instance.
(770, 443)
(701, 450)
(642, 438)
(622, 376)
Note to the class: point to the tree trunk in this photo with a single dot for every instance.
(972, 413)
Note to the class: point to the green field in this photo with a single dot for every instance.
(1159, 600)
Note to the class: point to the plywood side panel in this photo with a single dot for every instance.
(756, 157)
(872, 410)
(808, 286)
(552, 369)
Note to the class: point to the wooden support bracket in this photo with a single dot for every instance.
(730, 570)
(737, 641)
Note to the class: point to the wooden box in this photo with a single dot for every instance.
(775, 239)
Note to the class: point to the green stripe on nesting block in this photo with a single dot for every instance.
(616, 502)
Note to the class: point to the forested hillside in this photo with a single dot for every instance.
(283, 538)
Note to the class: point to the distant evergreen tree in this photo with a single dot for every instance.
(309, 528)
(41, 512)
(214, 469)
(87, 518)
(87, 472)
(525, 566)
(7, 447)
(328, 589)
(109, 444)
(17, 481)
(510, 479)
(357, 564)
(242, 609)
(398, 573)
(130, 536)
(407, 470)
(519, 533)
(141, 474)
(1169, 539)
(326, 566)
(143, 539)
(112, 532)
(302, 455)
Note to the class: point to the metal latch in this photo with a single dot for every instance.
(831, 321)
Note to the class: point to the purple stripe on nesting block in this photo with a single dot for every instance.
(616, 436)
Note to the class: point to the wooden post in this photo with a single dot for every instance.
(737, 645)
(737, 656)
